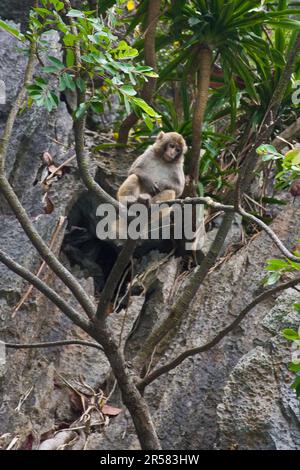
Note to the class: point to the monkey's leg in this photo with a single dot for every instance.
(162, 217)
(128, 194)
(166, 195)
(130, 190)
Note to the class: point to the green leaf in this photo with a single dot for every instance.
(124, 51)
(56, 62)
(293, 157)
(143, 68)
(297, 307)
(296, 386)
(266, 148)
(290, 334)
(70, 58)
(81, 110)
(272, 279)
(81, 84)
(66, 81)
(128, 90)
(11, 30)
(145, 107)
(75, 14)
(41, 82)
(59, 5)
(148, 121)
(276, 264)
(50, 69)
(294, 264)
(50, 101)
(97, 107)
(151, 74)
(127, 105)
(69, 39)
(294, 367)
(42, 11)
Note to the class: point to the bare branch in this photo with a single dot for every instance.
(228, 208)
(115, 277)
(192, 352)
(152, 18)
(83, 161)
(271, 234)
(53, 344)
(283, 139)
(43, 249)
(5, 138)
(58, 227)
(44, 289)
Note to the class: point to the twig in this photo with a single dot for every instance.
(239, 210)
(192, 352)
(127, 306)
(271, 234)
(114, 277)
(5, 138)
(57, 229)
(60, 167)
(53, 344)
(45, 289)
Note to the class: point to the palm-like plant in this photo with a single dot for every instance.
(234, 33)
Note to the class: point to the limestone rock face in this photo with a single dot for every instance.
(16, 10)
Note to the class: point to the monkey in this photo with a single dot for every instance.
(156, 175)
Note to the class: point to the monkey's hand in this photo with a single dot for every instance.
(149, 186)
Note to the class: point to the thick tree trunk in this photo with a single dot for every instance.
(204, 73)
(131, 397)
(150, 59)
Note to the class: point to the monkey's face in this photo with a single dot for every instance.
(170, 146)
(172, 151)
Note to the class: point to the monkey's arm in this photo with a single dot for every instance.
(143, 170)
(147, 184)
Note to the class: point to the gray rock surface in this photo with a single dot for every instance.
(16, 10)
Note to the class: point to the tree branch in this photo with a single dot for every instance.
(114, 277)
(53, 344)
(43, 249)
(230, 208)
(83, 161)
(44, 289)
(153, 15)
(192, 352)
(5, 138)
(281, 140)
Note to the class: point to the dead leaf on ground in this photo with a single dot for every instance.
(110, 410)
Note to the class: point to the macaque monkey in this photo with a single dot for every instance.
(157, 175)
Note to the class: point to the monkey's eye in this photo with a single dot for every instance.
(172, 146)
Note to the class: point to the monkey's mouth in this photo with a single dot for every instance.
(169, 159)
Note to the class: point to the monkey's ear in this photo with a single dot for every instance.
(160, 136)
